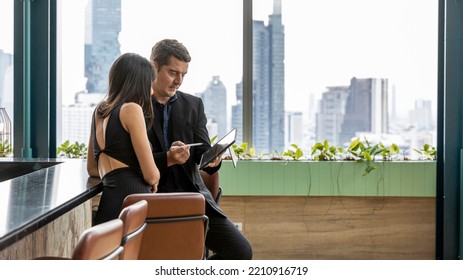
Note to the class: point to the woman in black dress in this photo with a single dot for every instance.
(119, 151)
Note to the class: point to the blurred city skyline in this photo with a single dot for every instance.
(396, 39)
(335, 42)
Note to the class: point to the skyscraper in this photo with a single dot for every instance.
(277, 79)
(237, 113)
(102, 27)
(268, 83)
(293, 125)
(6, 82)
(366, 108)
(421, 115)
(331, 114)
(102, 48)
(215, 107)
(77, 118)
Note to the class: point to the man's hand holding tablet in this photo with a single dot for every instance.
(218, 149)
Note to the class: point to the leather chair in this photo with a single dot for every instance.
(213, 184)
(100, 242)
(133, 218)
(176, 226)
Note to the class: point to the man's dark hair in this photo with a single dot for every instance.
(164, 49)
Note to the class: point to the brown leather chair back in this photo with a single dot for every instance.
(100, 242)
(212, 182)
(133, 218)
(176, 226)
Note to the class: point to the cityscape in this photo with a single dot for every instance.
(362, 107)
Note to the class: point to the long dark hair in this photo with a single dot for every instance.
(130, 79)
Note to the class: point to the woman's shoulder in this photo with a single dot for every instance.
(130, 112)
(131, 107)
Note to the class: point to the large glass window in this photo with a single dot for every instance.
(337, 70)
(6, 75)
(94, 33)
(322, 70)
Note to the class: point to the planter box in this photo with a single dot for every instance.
(337, 178)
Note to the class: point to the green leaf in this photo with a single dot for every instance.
(369, 169)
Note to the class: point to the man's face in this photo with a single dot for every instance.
(169, 78)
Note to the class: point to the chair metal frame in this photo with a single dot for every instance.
(134, 217)
(132, 235)
(178, 219)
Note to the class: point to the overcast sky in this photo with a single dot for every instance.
(327, 42)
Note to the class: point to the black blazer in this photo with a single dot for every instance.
(188, 124)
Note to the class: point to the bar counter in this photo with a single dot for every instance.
(45, 204)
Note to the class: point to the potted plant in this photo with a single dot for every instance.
(75, 150)
(363, 169)
(6, 150)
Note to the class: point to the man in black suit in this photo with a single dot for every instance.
(180, 120)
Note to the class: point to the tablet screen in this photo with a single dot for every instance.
(218, 148)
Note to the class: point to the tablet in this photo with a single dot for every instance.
(221, 146)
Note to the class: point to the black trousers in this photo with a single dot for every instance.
(118, 184)
(226, 241)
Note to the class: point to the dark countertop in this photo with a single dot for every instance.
(44, 190)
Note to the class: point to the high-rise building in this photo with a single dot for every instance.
(277, 79)
(102, 47)
(268, 83)
(215, 107)
(366, 109)
(421, 115)
(331, 114)
(293, 125)
(77, 118)
(6, 82)
(237, 113)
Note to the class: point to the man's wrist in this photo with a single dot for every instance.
(169, 160)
